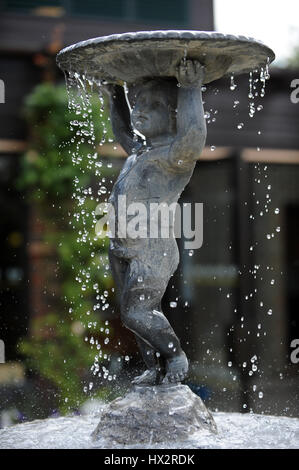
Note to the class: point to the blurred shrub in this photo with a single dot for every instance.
(58, 346)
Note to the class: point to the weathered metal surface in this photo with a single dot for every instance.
(129, 57)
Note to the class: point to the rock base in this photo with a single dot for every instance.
(154, 414)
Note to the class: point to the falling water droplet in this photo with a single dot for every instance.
(233, 85)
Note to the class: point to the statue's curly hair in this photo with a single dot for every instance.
(169, 84)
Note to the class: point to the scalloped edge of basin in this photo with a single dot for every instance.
(129, 57)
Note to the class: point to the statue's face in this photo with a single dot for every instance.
(151, 114)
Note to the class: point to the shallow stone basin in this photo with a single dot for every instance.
(129, 57)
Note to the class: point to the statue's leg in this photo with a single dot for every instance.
(153, 374)
(144, 287)
(149, 355)
(119, 267)
(141, 282)
(139, 314)
(141, 311)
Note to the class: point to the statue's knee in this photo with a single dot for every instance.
(137, 305)
(128, 317)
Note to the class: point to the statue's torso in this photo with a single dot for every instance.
(148, 177)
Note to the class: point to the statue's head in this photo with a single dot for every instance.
(154, 103)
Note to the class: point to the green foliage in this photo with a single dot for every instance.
(57, 348)
(48, 117)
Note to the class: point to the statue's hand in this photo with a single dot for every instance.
(190, 73)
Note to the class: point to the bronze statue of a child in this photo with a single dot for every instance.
(169, 114)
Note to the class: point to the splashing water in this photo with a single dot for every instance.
(235, 431)
(257, 87)
(256, 90)
(89, 134)
(233, 85)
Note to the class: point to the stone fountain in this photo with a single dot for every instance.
(154, 82)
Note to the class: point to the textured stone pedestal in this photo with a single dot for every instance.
(149, 415)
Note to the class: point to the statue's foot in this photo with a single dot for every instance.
(176, 369)
(149, 377)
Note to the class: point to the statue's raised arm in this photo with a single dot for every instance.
(121, 119)
(191, 128)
